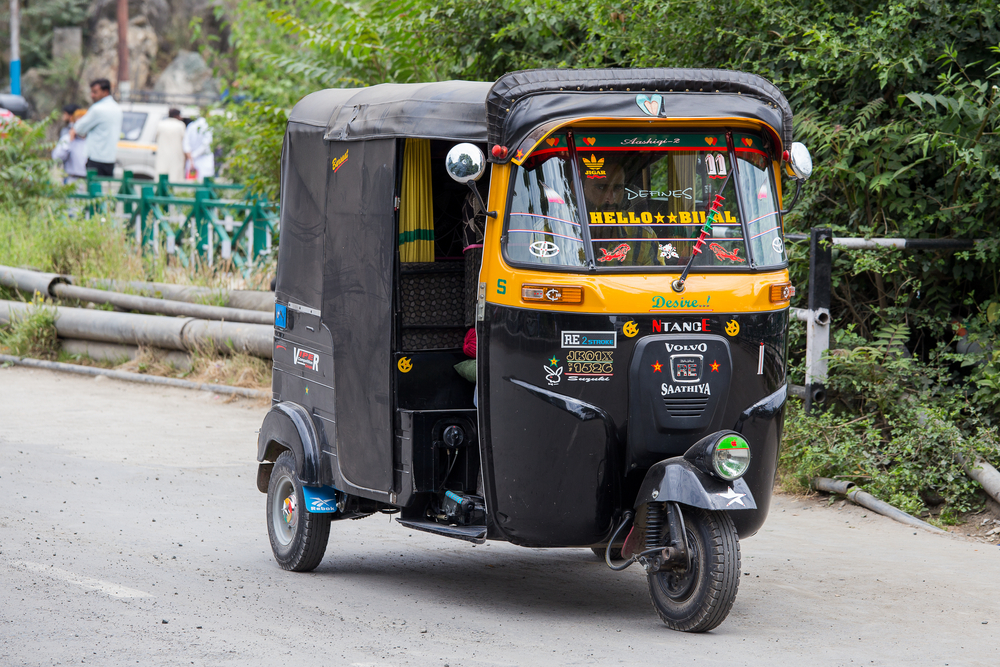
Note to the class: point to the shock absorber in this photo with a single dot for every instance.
(654, 525)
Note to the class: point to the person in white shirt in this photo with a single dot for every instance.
(102, 126)
(198, 148)
(72, 153)
(170, 146)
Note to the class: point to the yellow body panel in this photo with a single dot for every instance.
(624, 293)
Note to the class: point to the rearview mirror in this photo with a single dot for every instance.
(800, 161)
(466, 162)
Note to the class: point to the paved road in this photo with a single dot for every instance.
(132, 533)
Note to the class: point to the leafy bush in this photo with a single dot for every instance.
(33, 334)
(25, 165)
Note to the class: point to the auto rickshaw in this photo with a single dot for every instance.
(585, 349)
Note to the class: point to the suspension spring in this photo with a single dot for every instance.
(654, 525)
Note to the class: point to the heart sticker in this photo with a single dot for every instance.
(747, 141)
(710, 141)
(552, 141)
(590, 141)
(650, 105)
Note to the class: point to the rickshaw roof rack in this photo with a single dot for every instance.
(520, 101)
(450, 110)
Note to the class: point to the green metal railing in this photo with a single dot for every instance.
(207, 225)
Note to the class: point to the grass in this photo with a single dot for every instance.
(32, 334)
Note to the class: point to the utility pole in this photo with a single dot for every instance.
(124, 82)
(15, 47)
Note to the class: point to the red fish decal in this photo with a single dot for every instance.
(617, 253)
(721, 253)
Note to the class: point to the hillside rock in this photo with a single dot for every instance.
(102, 59)
(187, 75)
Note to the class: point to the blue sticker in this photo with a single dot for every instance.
(321, 499)
(280, 315)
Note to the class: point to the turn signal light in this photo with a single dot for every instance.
(782, 292)
(552, 293)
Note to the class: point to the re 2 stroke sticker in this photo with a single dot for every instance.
(306, 358)
(593, 339)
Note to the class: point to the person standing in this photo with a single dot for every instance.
(72, 152)
(198, 148)
(102, 127)
(170, 146)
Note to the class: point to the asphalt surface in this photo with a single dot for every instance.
(132, 533)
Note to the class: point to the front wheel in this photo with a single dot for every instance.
(698, 599)
(298, 538)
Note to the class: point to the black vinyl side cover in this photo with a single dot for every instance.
(289, 426)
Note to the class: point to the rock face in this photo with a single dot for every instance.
(102, 60)
(187, 75)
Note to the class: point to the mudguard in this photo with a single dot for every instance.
(677, 480)
(289, 426)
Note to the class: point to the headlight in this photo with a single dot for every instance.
(725, 454)
(731, 457)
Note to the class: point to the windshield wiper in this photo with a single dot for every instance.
(713, 211)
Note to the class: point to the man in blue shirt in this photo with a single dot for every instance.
(102, 126)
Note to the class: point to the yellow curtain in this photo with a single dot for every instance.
(416, 206)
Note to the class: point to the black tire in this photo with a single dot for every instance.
(699, 599)
(298, 538)
(616, 552)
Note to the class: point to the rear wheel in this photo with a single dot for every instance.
(298, 538)
(698, 599)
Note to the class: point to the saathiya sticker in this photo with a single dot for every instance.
(618, 253)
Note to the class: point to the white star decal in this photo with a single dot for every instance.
(733, 497)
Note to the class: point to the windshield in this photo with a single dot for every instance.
(646, 198)
(132, 122)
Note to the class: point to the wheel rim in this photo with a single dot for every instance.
(679, 586)
(284, 511)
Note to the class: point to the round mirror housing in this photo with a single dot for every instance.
(466, 162)
(800, 161)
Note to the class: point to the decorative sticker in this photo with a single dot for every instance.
(590, 141)
(280, 315)
(760, 360)
(732, 497)
(553, 372)
(686, 193)
(657, 367)
(501, 286)
(306, 358)
(686, 368)
(711, 141)
(650, 105)
(589, 365)
(618, 253)
(722, 254)
(552, 141)
(667, 251)
(660, 302)
(698, 326)
(668, 389)
(630, 329)
(404, 365)
(592, 339)
(715, 164)
(338, 162)
(777, 245)
(732, 327)
(543, 249)
(714, 366)
(595, 167)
